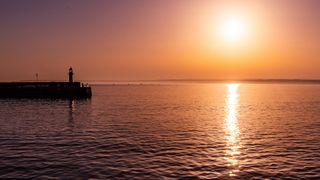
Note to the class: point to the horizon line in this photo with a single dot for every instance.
(194, 80)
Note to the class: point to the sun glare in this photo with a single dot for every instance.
(233, 30)
(232, 130)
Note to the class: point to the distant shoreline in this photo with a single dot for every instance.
(170, 81)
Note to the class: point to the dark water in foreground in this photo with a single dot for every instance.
(165, 131)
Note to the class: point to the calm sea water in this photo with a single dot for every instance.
(195, 131)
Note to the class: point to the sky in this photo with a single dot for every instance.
(149, 40)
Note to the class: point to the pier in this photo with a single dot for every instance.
(70, 89)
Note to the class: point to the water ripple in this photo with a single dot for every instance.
(165, 132)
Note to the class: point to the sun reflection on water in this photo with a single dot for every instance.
(232, 130)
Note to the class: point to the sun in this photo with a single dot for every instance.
(233, 30)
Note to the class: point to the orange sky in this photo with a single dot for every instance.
(128, 40)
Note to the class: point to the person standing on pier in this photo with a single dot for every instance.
(70, 75)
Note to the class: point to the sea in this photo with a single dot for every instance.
(165, 131)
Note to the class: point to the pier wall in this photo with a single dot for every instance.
(72, 90)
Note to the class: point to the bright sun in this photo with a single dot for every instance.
(233, 30)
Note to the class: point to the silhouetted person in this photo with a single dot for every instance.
(70, 75)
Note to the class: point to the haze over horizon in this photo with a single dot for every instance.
(128, 40)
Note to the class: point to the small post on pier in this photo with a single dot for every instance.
(70, 75)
